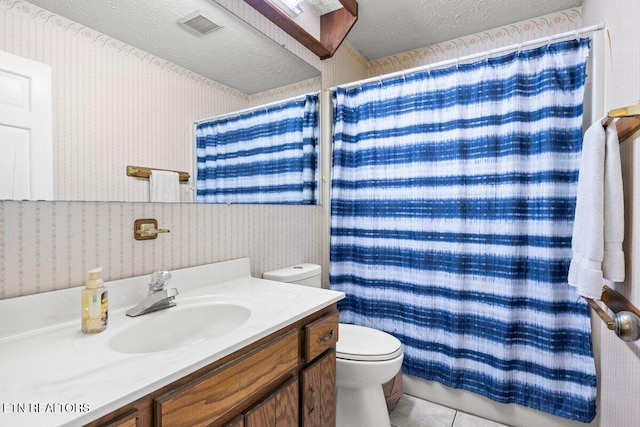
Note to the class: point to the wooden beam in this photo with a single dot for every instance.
(334, 26)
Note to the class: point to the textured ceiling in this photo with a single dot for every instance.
(236, 55)
(386, 28)
(239, 56)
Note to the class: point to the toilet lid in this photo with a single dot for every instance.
(366, 344)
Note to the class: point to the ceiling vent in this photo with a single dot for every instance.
(198, 24)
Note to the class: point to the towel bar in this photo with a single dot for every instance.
(628, 120)
(142, 172)
(624, 324)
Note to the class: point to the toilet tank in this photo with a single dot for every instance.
(300, 274)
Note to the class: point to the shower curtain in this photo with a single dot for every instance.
(453, 193)
(265, 155)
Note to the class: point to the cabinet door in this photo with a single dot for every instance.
(319, 392)
(280, 409)
(236, 422)
(205, 401)
(320, 335)
(129, 419)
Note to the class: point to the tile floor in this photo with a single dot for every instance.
(413, 412)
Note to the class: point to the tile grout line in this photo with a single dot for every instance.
(455, 415)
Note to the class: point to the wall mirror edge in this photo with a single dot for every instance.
(293, 88)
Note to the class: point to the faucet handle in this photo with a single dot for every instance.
(159, 279)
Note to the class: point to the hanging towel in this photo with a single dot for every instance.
(164, 186)
(598, 229)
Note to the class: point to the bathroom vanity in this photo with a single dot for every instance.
(271, 364)
(288, 376)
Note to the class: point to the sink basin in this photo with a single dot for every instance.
(179, 326)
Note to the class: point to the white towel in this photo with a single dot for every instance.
(164, 186)
(598, 229)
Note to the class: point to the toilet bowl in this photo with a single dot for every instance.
(365, 359)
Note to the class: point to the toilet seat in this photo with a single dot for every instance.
(360, 343)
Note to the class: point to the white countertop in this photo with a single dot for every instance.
(51, 374)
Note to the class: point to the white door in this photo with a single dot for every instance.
(26, 144)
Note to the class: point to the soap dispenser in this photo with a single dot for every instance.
(94, 303)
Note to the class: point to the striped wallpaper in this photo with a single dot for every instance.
(619, 376)
(46, 246)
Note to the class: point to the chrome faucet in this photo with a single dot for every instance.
(158, 297)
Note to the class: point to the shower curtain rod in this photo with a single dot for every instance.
(257, 107)
(466, 58)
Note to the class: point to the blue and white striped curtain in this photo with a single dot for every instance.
(266, 155)
(453, 194)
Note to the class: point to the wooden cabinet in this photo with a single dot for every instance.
(318, 385)
(236, 422)
(318, 377)
(284, 380)
(209, 399)
(320, 335)
(280, 409)
(137, 414)
(130, 419)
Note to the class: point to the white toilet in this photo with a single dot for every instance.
(365, 359)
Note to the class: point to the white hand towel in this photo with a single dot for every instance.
(598, 229)
(164, 186)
